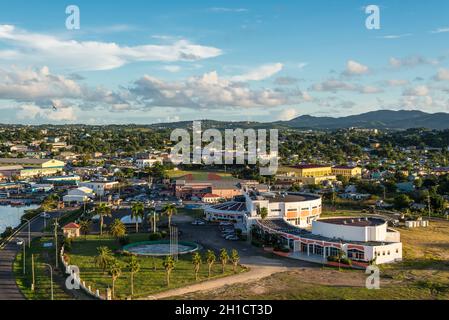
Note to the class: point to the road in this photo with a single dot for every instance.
(8, 287)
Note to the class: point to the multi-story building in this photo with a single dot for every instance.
(347, 171)
(27, 168)
(308, 174)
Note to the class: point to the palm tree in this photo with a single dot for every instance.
(103, 258)
(137, 211)
(133, 267)
(153, 218)
(224, 257)
(169, 265)
(115, 271)
(235, 259)
(263, 213)
(118, 229)
(85, 228)
(210, 258)
(196, 260)
(170, 210)
(103, 210)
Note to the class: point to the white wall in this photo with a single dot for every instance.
(350, 233)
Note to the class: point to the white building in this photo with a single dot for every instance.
(79, 195)
(148, 163)
(100, 187)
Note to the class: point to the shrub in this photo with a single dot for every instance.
(155, 236)
(124, 240)
(67, 244)
(256, 243)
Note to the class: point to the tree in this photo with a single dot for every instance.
(115, 271)
(153, 218)
(85, 228)
(169, 265)
(137, 212)
(224, 257)
(103, 210)
(197, 261)
(133, 267)
(210, 258)
(169, 211)
(103, 258)
(263, 213)
(402, 201)
(235, 259)
(118, 229)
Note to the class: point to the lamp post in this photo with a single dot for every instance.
(56, 241)
(51, 279)
(29, 232)
(24, 254)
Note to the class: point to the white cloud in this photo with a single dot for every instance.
(287, 114)
(397, 82)
(31, 111)
(259, 73)
(440, 30)
(222, 9)
(333, 85)
(418, 91)
(172, 69)
(210, 91)
(442, 75)
(395, 36)
(410, 62)
(93, 55)
(355, 68)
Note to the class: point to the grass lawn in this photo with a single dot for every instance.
(147, 281)
(197, 175)
(42, 274)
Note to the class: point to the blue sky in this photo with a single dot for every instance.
(157, 61)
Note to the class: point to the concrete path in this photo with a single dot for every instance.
(255, 273)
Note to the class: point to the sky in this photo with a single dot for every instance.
(160, 61)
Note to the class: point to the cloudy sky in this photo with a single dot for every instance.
(157, 61)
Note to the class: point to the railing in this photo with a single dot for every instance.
(20, 229)
(93, 293)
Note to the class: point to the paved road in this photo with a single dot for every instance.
(8, 287)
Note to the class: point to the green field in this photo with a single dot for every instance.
(151, 278)
(197, 175)
(42, 275)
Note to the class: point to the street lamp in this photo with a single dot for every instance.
(29, 232)
(51, 279)
(24, 253)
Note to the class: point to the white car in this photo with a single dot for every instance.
(198, 223)
(232, 238)
(19, 242)
(45, 215)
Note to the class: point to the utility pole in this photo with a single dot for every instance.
(56, 241)
(428, 202)
(33, 284)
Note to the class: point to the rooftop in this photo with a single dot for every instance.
(275, 197)
(355, 222)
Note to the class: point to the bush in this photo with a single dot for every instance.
(124, 240)
(256, 243)
(343, 260)
(163, 234)
(155, 236)
(8, 231)
(67, 244)
(281, 249)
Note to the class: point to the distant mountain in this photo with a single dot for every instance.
(382, 119)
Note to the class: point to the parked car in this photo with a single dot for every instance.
(232, 238)
(45, 215)
(19, 242)
(198, 223)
